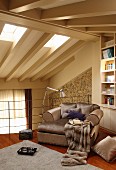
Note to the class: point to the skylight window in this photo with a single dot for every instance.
(12, 32)
(9, 28)
(56, 41)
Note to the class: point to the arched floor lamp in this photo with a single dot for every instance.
(61, 92)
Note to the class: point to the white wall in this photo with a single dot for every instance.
(26, 84)
(88, 56)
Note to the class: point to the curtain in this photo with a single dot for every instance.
(12, 111)
(28, 102)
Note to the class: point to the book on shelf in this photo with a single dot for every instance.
(108, 53)
(109, 78)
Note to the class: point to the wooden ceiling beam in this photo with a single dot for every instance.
(101, 29)
(39, 44)
(80, 28)
(1, 26)
(45, 26)
(41, 60)
(68, 53)
(58, 68)
(19, 6)
(108, 20)
(59, 22)
(33, 13)
(87, 8)
(6, 57)
(4, 5)
(35, 66)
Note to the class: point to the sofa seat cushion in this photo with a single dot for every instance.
(56, 127)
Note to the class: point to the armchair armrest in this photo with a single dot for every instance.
(95, 117)
(98, 113)
(52, 114)
(95, 131)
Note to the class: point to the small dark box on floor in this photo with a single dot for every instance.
(25, 134)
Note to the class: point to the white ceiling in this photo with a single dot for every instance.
(82, 20)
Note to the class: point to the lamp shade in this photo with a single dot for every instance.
(62, 94)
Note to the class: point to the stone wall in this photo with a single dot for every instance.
(77, 90)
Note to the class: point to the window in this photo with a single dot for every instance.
(12, 33)
(12, 111)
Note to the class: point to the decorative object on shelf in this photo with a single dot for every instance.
(109, 66)
(108, 100)
(109, 43)
(108, 53)
(61, 92)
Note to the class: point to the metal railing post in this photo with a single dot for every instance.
(9, 115)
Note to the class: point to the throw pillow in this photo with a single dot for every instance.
(86, 110)
(76, 114)
(74, 109)
(106, 148)
(65, 114)
(65, 107)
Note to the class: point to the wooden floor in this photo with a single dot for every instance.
(93, 159)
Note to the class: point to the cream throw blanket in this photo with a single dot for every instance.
(78, 138)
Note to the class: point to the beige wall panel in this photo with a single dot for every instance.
(96, 73)
(35, 122)
(107, 123)
(88, 56)
(102, 120)
(113, 120)
(15, 84)
(81, 63)
(37, 105)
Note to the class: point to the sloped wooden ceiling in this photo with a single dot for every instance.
(81, 20)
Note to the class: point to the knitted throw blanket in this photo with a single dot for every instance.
(78, 138)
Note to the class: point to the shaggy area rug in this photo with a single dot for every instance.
(43, 159)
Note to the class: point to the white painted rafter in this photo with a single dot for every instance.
(68, 53)
(39, 44)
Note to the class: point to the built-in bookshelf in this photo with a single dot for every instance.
(108, 81)
(108, 69)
